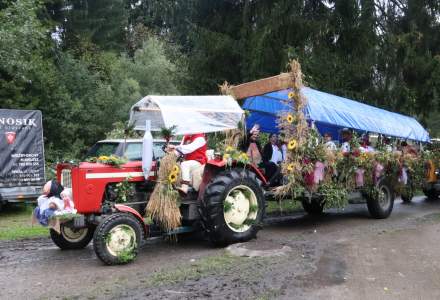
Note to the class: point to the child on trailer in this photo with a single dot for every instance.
(49, 202)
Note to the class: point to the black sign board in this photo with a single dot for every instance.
(21, 148)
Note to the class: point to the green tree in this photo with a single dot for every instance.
(101, 22)
(22, 50)
(409, 57)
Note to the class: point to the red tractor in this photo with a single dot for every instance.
(228, 206)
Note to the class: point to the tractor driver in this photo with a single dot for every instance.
(193, 149)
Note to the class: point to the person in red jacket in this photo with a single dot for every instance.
(193, 148)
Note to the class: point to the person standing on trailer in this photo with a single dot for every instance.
(346, 139)
(329, 144)
(387, 142)
(272, 157)
(251, 145)
(365, 144)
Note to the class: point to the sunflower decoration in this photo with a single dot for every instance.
(243, 157)
(290, 167)
(174, 174)
(103, 157)
(291, 95)
(292, 144)
(229, 149)
(365, 156)
(289, 118)
(172, 178)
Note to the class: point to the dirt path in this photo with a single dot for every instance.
(341, 255)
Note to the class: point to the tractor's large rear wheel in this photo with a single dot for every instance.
(233, 207)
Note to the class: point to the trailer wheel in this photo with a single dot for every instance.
(381, 201)
(431, 194)
(232, 207)
(71, 238)
(313, 207)
(408, 190)
(407, 195)
(117, 239)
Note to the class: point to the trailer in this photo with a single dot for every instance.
(22, 165)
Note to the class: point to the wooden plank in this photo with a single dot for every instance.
(261, 86)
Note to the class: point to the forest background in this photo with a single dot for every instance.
(83, 63)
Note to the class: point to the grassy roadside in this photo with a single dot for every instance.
(15, 223)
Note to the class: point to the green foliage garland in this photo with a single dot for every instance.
(111, 160)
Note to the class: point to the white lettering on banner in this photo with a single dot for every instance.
(116, 175)
(18, 122)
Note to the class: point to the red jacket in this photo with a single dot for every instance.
(200, 153)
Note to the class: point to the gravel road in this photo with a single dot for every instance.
(340, 255)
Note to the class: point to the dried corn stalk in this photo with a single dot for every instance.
(295, 130)
(163, 203)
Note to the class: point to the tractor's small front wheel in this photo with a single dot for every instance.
(233, 207)
(72, 238)
(117, 239)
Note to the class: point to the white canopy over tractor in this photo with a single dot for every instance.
(190, 114)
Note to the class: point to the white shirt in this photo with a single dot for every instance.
(284, 151)
(43, 202)
(345, 147)
(191, 147)
(277, 156)
(330, 145)
(366, 149)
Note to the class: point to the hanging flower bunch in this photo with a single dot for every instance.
(231, 154)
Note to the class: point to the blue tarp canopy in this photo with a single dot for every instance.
(331, 113)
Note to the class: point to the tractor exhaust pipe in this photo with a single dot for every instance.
(147, 150)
